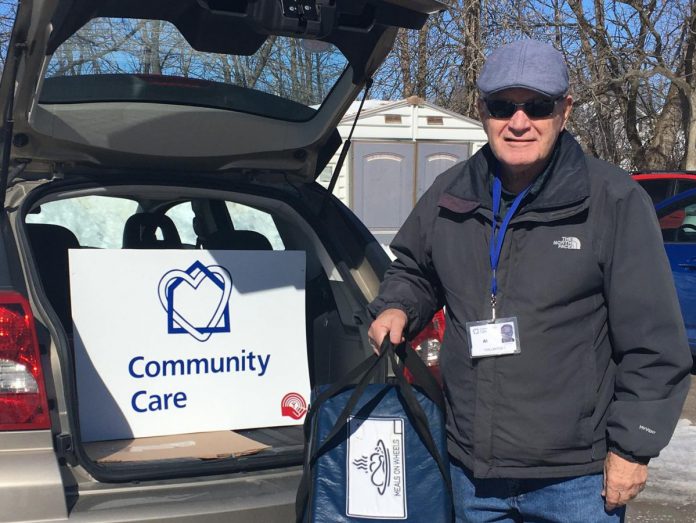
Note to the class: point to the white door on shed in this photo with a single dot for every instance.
(383, 182)
(435, 158)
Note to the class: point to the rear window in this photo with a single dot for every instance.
(96, 221)
(122, 59)
(678, 220)
(685, 185)
(241, 216)
(658, 190)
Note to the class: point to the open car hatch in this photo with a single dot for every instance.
(204, 85)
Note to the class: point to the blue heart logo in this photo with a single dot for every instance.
(202, 304)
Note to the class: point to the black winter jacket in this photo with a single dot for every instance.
(604, 359)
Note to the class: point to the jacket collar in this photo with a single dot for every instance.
(567, 184)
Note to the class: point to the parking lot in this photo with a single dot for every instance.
(671, 491)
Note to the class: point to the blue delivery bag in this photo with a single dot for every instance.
(377, 451)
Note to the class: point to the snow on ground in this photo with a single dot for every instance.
(672, 476)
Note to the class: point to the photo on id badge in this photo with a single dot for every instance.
(493, 338)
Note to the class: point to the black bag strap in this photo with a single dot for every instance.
(420, 423)
(349, 406)
(367, 368)
(421, 375)
(363, 368)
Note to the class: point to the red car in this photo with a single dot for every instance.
(661, 185)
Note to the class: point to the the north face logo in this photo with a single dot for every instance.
(568, 242)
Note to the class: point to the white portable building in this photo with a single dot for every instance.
(398, 148)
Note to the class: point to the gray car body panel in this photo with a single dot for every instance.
(31, 486)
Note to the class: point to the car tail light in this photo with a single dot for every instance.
(427, 344)
(23, 404)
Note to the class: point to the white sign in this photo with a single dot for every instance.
(177, 341)
(376, 486)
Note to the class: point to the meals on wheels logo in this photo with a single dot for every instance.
(377, 466)
(376, 484)
(196, 300)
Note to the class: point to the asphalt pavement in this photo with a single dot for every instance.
(671, 491)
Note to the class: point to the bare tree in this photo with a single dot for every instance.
(8, 9)
(464, 29)
(412, 50)
(686, 86)
(632, 65)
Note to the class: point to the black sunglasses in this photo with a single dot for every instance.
(534, 109)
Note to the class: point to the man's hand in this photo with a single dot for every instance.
(623, 480)
(390, 321)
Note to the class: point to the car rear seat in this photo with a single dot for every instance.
(50, 244)
(320, 306)
(140, 232)
(236, 240)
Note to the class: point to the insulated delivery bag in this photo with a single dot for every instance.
(377, 451)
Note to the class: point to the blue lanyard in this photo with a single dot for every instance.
(497, 239)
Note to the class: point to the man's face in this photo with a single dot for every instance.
(521, 143)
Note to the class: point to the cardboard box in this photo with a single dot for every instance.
(200, 445)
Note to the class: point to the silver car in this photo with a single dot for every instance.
(185, 125)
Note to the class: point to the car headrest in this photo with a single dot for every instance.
(238, 240)
(140, 232)
(47, 236)
(50, 244)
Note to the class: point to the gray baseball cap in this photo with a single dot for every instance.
(527, 64)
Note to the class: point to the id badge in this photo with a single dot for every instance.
(493, 337)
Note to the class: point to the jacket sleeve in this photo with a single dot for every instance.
(411, 283)
(647, 333)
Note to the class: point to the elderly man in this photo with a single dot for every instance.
(556, 420)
